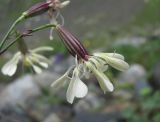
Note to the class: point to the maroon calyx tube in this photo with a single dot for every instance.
(73, 45)
(38, 9)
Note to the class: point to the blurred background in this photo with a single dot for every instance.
(128, 27)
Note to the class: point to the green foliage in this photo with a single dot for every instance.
(144, 110)
(147, 54)
(150, 14)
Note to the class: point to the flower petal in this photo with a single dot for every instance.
(43, 64)
(42, 49)
(59, 82)
(65, 3)
(37, 69)
(102, 78)
(114, 55)
(76, 88)
(9, 69)
(117, 63)
(11, 66)
(99, 63)
(81, 89)
(104, 81)
(71, 91)
(39, 57)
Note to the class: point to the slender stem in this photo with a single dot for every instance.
(10, 44)
(11, 29)
(23, 35)
(43, 27)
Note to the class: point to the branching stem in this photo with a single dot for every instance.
(11, 29)
(27, 33)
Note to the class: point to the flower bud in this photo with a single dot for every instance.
(73, 45)
(37, 9)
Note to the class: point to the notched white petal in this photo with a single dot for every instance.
(117, 63)
(114, 59)
(59, 82)
(102, 78)
(81, 89)
(11, 66)
(104, 82)
(114, 55)
(37, 69)
(99, 63)
(9, 69)
(42, 49)
(65, 3)
(39, 58)
(43, 64)
(71, 91)
(76, 88)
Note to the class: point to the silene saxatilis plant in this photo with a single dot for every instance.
(85, 63)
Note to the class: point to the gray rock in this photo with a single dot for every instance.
(134, 74)
(61, 64)
(45, 79)
(13, 114)
(52, 118)
(19, 91)
(90, 102)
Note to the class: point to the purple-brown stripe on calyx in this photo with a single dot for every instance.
(72, 43)
(38, 9)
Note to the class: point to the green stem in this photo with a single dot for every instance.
(10, 44)
(43, 27)
(11, 29)
(30, 32)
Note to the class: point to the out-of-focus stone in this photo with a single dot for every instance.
(134, 41)
(45, 79)
(90, 102)
(134, 74)
(19, 91)
(13, 114)
(61, 64)
(52, 118)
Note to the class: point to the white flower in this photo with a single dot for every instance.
(96, 64)
(87, 64)
(32, 58)
(76, 87)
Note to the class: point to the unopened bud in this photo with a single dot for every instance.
(37, 9)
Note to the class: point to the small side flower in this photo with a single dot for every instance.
(31, 58)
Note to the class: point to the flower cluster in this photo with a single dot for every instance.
(85, 65)
(42, 7)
